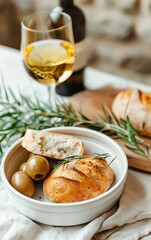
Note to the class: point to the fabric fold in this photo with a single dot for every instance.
(129, 219)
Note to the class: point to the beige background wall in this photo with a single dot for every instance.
(119, 32)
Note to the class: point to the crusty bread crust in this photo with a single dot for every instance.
(78, 180)
(138, 109)
(120, 103)
(53, 145)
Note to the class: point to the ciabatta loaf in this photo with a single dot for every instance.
(137, 106)
(78, 180)
(53, 145)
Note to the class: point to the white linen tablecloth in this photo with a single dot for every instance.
(129, 219)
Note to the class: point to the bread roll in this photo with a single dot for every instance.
(53, 145)
(137, 106)
(120, 103)
(78, 180)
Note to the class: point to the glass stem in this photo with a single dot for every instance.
(52, 95)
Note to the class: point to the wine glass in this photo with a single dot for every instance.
(47, 48)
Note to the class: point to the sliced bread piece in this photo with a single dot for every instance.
(51, 144)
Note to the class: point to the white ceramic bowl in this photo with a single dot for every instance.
(42, 210)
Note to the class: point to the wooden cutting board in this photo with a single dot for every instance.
(89, 102)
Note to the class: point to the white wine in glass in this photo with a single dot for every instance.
(47, 48)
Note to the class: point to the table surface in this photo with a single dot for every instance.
(15, 75)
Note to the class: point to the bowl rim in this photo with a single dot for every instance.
(48, 204)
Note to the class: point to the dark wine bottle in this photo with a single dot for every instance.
(75, 82)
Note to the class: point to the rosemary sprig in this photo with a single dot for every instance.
(18, 113)
(79, 157)
(67, 160)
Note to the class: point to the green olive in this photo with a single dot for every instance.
(23, 183)
(23, 167)
(37, 167)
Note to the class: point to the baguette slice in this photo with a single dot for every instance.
(51, 144)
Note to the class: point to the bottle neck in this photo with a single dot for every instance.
(66, 3)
